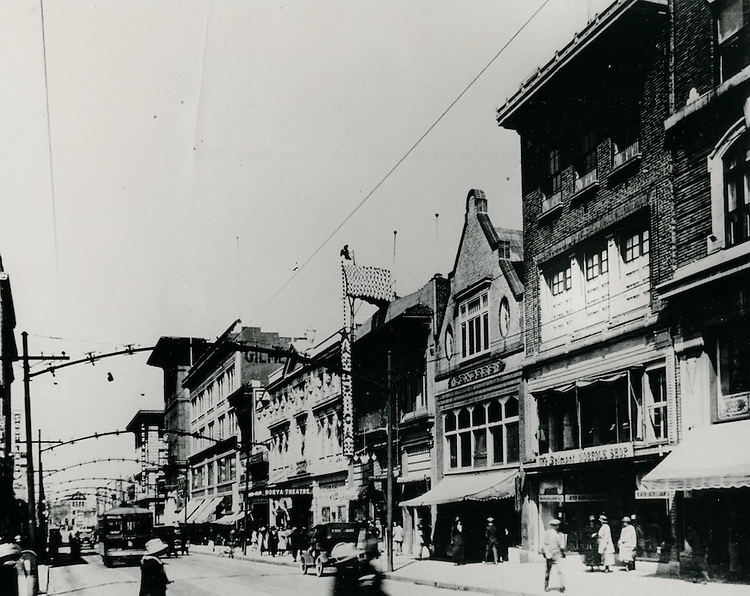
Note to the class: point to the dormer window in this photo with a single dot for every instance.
(474, 318)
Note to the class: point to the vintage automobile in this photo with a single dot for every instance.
(330, 544)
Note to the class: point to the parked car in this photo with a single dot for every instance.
(330, 543)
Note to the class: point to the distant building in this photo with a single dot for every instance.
(223, 381)
(9, 520)
(74, 512)
(151, 451)
(175, 356)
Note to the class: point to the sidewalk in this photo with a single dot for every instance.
(516, 579)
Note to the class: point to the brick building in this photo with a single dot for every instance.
(600, 404)
(478, 356)
(222, 382)
(175, 356)
(707, 293)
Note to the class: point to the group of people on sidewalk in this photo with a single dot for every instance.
(600, 549)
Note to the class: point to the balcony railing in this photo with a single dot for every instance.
(585, 180)
(626, 154)
(552, 201)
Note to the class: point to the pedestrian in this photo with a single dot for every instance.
(294, 542)
(458, 543)
(153, 577)
(490, 541)
(554, 551)
(398, 538)
(627, 544)
(591, 556)
(605, 546)
(273, 541)
(186, 546)
(422, 543)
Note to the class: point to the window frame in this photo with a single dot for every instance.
(455, 436)
(731, 43)
(476, 337)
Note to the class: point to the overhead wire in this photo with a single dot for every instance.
(403, 158)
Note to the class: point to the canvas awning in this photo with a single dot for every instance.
(205, 511)
(716, 456)
(231, 518)
(484, 486)
(192, 507)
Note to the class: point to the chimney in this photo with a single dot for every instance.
(476, 202)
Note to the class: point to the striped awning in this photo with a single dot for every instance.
(485, 486)
(715, 456)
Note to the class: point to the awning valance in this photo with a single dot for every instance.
(716, 456)
(484, 486)
(231, 518)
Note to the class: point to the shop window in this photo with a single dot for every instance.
(210, 474)
(558, 422)
(475, 329)
(730, 38)
(733, 399)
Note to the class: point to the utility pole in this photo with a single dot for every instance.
(29, 450)
(389, 480)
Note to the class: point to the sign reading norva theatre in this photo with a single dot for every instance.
(587, 455)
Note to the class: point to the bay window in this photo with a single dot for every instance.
(482, 435)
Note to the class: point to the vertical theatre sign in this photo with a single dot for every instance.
(375, 286)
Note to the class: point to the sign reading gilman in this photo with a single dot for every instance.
(587, 455)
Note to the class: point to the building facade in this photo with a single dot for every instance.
(147, 490)
(221, 379)
(10, 522)
(175, 356)
(598, 214)
(477, 386)
(707, 133)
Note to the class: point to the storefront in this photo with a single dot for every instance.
(575, 485)
(285, 506)
(473, 498)
(710, 472)
(331, 499)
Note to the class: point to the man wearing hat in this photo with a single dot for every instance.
(626, 544)
(553, 549)
(490, 540)
(153, 578)
(605, 544)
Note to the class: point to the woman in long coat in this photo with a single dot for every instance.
(606, 547)
(591, 556)
(627, 544)
(458, 543)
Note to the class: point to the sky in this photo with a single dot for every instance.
(175, 165)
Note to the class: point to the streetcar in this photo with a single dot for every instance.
(123, 533)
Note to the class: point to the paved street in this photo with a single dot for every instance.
(204, 573)
(201, 575)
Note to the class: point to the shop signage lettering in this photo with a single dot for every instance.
(584, 498)
(590, 454)
(481, 372)
(281, 492)
(654, 494)
(551, 498)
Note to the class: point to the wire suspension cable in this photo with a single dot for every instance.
(402, 158)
